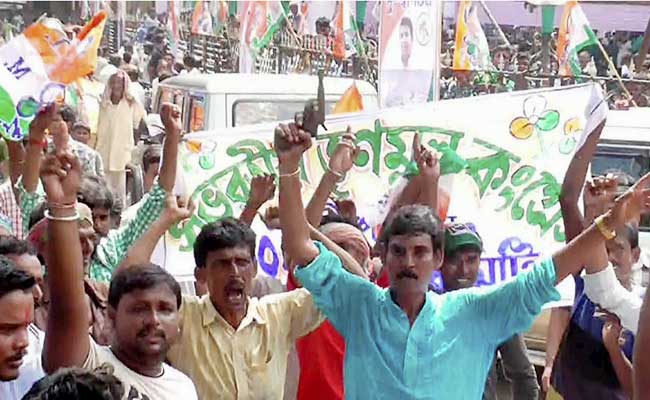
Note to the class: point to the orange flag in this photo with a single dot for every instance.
(351, 101)
(66, 62)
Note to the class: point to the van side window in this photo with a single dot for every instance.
(249, 112)
(197, 112)
(633, 160)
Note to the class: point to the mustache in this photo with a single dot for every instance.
(18, 356)
(149, 332)
(406, 274)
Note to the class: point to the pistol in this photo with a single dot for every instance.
(314, 113)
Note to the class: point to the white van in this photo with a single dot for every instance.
(217, 101)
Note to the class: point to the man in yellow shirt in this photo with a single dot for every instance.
(233, 346)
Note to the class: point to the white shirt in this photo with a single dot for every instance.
(31, 370)
(604, 289)
(171, 385)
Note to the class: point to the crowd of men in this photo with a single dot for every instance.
(85, 314)
(518, 65)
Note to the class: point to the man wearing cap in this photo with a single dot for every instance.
(460, 268)
(91, 162)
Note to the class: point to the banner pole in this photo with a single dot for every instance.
(613, 68)
(494, 21)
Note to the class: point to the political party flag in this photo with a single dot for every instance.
(37, 66)
(351, 101)
(472, 51)
(172, 26)
(344, 29)
(260, 20)
(196, 16)
(575, 35)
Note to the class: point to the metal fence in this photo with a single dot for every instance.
(291, 53)
(287, 53)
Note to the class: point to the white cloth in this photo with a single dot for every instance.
(604, 289)
(171, 385)
(31, 370)
(137, 91)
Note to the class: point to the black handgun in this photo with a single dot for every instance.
(314, 113)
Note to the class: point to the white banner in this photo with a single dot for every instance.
(503, 158)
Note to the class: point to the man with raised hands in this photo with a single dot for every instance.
(143, 299)
(415, 339)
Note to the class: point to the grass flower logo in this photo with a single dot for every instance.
(537, 118)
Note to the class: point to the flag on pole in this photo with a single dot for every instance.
(471, 51)
(344, 29)
(37, 66)
(172, 26)
(575, 35)
(260, 20)
(201, 18)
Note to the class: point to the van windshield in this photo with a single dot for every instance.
(249, 112)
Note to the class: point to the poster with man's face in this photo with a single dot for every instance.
(408, 51)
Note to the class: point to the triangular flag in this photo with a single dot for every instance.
(350, 101)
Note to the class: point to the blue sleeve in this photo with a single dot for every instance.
(338, 294)
(512, 307)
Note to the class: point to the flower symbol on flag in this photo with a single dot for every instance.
(536, 118)
(572, 127)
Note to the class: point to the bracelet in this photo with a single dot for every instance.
(41, 144)
(62, 206)
(294, 173)
(338, 175)
(72, 218)
(607, 232)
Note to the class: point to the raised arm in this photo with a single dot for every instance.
(290, 144)
(642, 353)
(170, 116)
(36, 144)
(16, 152)
(66, 340)
(574, 181)
(517, 303)
(111, 251)
(143, 248)
(262, 190)
(340, 164)
(428, 174)
(422, 188)
(588, 248)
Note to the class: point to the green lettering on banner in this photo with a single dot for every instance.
(550, 197)
(483, 170)
(217, 196)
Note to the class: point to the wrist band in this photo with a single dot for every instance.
(607, 232)
(294, 173)
(62, 206)
(42, 144)
(72, 218)
(338, 175)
